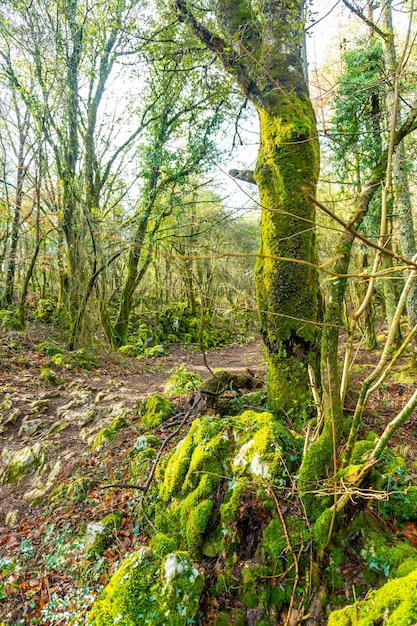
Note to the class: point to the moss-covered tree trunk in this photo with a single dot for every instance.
(263, 49)
(287, 292)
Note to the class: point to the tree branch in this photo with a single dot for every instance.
(365, 19)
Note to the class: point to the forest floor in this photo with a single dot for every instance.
(45, 578)
(37, 590)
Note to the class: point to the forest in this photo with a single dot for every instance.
(208, 312)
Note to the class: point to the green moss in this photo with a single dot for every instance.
(274, 542)
(99, 535)
(162, 544)
(286, 171)
(361, 449)
(383, 552)
(109, 432)
(149, 590)
(235, 618)
(155, 410)
(406, 568)
(321, 529)
(395, 604)
(336, 558)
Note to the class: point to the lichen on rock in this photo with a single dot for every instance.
(25, 462)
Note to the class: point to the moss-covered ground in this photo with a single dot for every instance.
(220, 537)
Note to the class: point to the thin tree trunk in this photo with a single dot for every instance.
(11, 267)
(401, 188)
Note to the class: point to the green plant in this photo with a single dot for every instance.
(8, 320)
(50, 348)
(181, 381)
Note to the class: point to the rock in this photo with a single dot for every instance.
(155, 410)
(36, 495)
(49, 395)
(48, 376)
(57, 427)
(102, 418)
(6, 404)
(150, 589)
(38, 407)
(24, 462)
(30, 427)
(98, 535)
(108, 433)
(8, 420)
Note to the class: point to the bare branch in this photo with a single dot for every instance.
(366, 20)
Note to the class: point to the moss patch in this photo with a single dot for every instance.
(148, 589)
(155, 410)
(109, 432)
(395, 604)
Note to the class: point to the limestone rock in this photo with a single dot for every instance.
(25, 462)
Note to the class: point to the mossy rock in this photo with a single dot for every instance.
(24, 463)
(99, 534)
(213, 500)
(45, 310)
(109, 432)
(394, 604)
(155, 410)
(149, 590)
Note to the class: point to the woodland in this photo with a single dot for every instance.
(208, 312)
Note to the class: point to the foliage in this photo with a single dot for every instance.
(181, 382)
(9, 320)
(356, 125)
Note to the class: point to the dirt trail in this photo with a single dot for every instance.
(83, 403)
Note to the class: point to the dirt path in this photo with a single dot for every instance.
(83, 403)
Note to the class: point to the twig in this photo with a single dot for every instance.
(290, 548)
(144, 488)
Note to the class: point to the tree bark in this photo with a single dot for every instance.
(264, 52)
(401, 188)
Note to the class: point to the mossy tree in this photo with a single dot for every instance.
(263, 49)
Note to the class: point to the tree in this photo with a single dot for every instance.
(219, 497)
(262, 48)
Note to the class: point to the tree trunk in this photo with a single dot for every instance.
(11, 268)
(401, 188)
(264, 52)
(287, 292)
